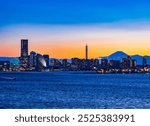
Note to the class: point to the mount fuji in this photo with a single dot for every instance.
(119, 55)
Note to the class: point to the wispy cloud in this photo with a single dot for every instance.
(133, 37)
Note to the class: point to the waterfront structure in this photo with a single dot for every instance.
(76, 64)
(55, 64)
(38, 62)
(134, 63)
(114, 64)
(46, 57)
(65, 64)
(41, 63)
(24, 58)
(84, 64)
(104, 63)
(126, 62)
(33, 60)
(4, 65)
(95, 64)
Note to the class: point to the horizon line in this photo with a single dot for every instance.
(80, 57)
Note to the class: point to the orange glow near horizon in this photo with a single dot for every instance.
(74, 49)
(69, 42)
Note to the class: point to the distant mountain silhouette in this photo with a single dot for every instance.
(114, 56)
(138, 59)
(117, 55)
(148, 59)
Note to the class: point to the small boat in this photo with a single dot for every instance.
(7, 78)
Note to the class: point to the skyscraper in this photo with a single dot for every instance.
(32, 60)
(86, 51)
(24, 58)
(24, 47)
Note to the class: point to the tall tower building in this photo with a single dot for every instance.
(24, 47)
(32, 60)
(86, 51)
(24, 58)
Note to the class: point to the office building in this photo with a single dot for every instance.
(24, 58)
(127, 63)
(33, 60)
(4, 65)
(41, 63)
(104, 63)
(114, 64)
(46, 57)
(134, 63)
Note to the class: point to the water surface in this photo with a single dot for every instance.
(70, 90)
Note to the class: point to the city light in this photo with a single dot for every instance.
(118, 62)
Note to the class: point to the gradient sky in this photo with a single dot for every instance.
(61, 28)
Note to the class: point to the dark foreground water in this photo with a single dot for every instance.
(69, 90)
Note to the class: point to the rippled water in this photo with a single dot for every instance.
(70, 90)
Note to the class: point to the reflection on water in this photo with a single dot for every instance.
(69, 90)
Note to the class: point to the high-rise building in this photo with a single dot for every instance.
(104, 63)
(65, 64)
(55, 64)
(41, 63)
(76, 64)
(46, 57)
(24, 47)
(114, 64)
(24, 58)
(93, 64)
(134, 63)
(33, 60)
(127, 63)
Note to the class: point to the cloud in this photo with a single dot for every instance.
(58, 33)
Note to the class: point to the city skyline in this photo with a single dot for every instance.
(85, 53)
(61, 29)
(118, 62)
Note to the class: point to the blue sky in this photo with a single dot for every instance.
(72, 11)
(56, 26)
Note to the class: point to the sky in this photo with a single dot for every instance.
(62, 28)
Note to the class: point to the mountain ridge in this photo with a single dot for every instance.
(119, 55)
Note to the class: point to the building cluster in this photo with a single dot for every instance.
(126, 65)
(75, 64)
(27, 62)
(38, 62)
(34, 61)
(5, 65)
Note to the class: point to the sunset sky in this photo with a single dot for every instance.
(62, 28)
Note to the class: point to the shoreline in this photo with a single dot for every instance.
(71, 72)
